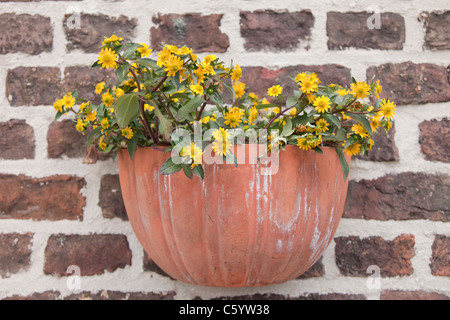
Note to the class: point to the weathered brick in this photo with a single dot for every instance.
(84, 79)
(52, 198)
(350, 30)
(435, 140)
(118, 295)
(275, 30)
(64, 140)
(410, 83)
(259, 79)
(110, 198)
(355, 255)
(30, 86)
(200, 32)
(94, 28)
(150, 265)
(316, 271)
(15, 253)
(16, 140)
(311, 296)
(440, 260)
(384, 148)
(30, 34)
(37, 296)
(406, 196)
(411, 295)
(93, 254)
(437, 25)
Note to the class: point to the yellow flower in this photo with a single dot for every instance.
(105, 123)
(388, 109)
(236, 73)
(100, 87)
(119, 92)
(253, 115)
(360, 89)
(375, 123)
(102, 145)
(163, 56)
(239, 89)
(173, 65)
(221, 134)
(359, 129)
(173, 49)
(293, 112)
(91, 116)
(84, 105)
(321, 126)
(309, 83)
(200, 75)
(185, 51)
(342, 92)
(209, 59)
(275, 91)
(68, 101)
(353, 150)
(144, 50)
(80, 125)
(127, 133)
(108, 99)
(345, 117)
(233, 117)
(58, 105)
(197, 89)
(322, 104)
(299, 77)
(208, 69)
(107, 58)
(148, 107)
(303, 144)
(113, 38)
(222, 144)
(194, 153)
(378, 88)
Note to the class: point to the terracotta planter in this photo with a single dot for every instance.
(236, 228)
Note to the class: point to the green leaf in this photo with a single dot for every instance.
(216, 98)
(58, 115)
(187, 171)
(230, 88)
(361, 119)
(179, 95)
(189, 107)
(291, 101)
(122, 72)
(264, 106)
(318, 150)
(199, 172)
(344, 164)
(166, 126)
(333, 119)
(148, 63)
(96, 65)
(126, 109)
(169, 167)
(287, 129)
(132, 147)
(130, 49)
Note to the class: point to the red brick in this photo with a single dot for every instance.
(118, 295)
(30, 34)
(15, 253)
(316, 271)
(350, 30)
(355, 255)
(52, 198)
(440, 260)
(64, 140)
(37, 296)
(199, 32)
(410, 83)
(93, 254)
(94, 28)
(151, 266)
(384, 148)
(16, 140)
(311, 296)
(275, 30)
(435, 140)
(406, 196)
(437, 25)
(110, 198)
(33, 86)
(411, 295)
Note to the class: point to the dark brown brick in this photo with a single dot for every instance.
(150, 265)
(410, 83)
(37, 296)
(440, 261)
(15, 252)
(84, 79)
(199, 32)
(30, 34)
(437, 25)
(316, 271)
(411, 295)
(406, 196)
(52, 198)
(311, 296)
(94, 28)
(118, 295)
(29, 86)
(384, 148)
(110, 198)
(275, 30)
(93, 254)
(435, 140)
(350, 30)
(16, 140)
(64, 140)
(355, 255)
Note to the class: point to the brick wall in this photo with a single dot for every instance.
(55, 211)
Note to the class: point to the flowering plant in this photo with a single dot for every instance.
(156, 102)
